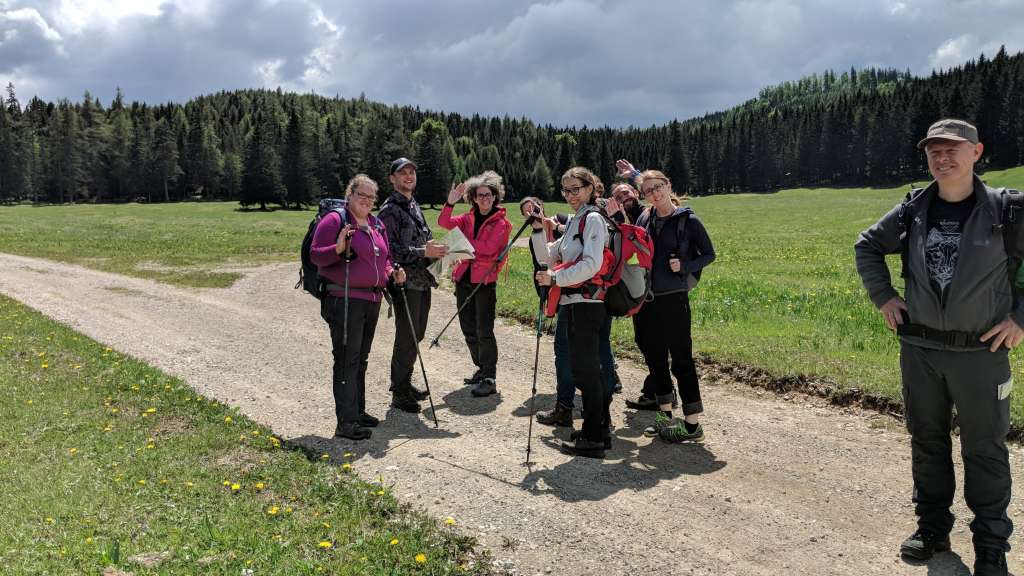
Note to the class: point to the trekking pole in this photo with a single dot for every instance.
(344, 335)
(469, 298)
(412, 331)
(543, 296)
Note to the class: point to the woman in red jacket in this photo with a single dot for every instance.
(487, 229)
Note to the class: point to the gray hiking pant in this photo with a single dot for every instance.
(978, 383)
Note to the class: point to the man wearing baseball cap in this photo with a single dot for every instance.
(412, 247)
(957, 322)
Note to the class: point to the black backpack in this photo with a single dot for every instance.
(1009, 226)
(309, 277)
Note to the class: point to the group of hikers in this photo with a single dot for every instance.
(957, 320)
(363, 257)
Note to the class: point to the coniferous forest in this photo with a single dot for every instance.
(260, 147)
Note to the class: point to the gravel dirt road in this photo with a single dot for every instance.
(783, 485)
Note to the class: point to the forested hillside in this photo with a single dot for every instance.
(269, 147)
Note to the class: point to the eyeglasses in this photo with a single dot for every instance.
(573, 191)
(654, 189)
(365, 196)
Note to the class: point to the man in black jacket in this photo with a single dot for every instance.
(957, 322)
(412, 247)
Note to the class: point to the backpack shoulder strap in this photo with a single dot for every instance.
(1011, 219)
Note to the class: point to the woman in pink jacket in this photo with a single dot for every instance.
(356, 247)
(487, 229)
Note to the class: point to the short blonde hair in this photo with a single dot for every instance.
(490, 179)
(357, 181)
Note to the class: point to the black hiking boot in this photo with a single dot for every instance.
(642, 403)
(484, 387)
(419, 393)
(560, 416)
(607, 437)
(584, 447)
(923, 544)
(367, 421)
(352, 431)
(476, 377)
(990, 562)
(405, 401)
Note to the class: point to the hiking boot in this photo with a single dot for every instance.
(419, 393)
(642, 403)
(584, 447)
(676, 433)
(352, 431)
(660, 422)
(405, 401)
(560, 416)
(473, 379)
(484, 387)
(989, 562)
(923, 544)
(607, 437)
(367, 421)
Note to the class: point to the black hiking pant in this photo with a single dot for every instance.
(585, 320)
(477, 323)
(978, 383)
(662, 331)
(351, 358)
(403, 356)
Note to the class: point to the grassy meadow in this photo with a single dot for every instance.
(107, 459)
(783, 294)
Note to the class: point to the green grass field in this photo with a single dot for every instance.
(106, 458)
(783, 294)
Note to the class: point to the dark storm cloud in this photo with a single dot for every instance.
(564, 61)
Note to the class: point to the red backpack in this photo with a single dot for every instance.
(622, 285)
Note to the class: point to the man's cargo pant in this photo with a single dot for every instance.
(978, 383)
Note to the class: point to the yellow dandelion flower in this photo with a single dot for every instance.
(394, 542)
(449, 521)
(348, 454)
(325, 456)
(346, 466)
(325, 544)
(150, 410)
(380, 492)
(45, 366)
(226, 483)
(273, 510)
(29, 402)
(114, 411)
(288, 510)
(236, 487)
(49, 520)
(189, 484)
(150, 446)
(421, 558)
(142, 482)
(260, 485)
(72, 451)
(88, 540)
(227, 419)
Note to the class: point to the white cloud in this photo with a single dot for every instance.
(560, 61)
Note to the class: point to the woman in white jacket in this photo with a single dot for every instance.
(577, 257)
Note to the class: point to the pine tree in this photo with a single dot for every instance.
(166, 169)
(434, 156)
(299, 179)
(541, 182)
(261, 182)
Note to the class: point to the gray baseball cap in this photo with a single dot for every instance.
(950, 129)
(400, 163)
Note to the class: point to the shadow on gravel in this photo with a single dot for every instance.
(543, 403)
(943, 564)
(395, 430)
(462, 402)
(627, 466)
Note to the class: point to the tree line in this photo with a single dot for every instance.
(263, 147)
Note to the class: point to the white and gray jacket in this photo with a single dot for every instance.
(590, 252)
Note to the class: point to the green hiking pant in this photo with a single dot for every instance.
(978, 383)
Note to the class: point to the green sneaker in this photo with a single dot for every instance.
(677, 434)
(660, 422)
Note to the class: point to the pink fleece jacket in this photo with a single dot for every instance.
(371, 262)
(487, 245)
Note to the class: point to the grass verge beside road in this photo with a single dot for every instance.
(110, 463)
